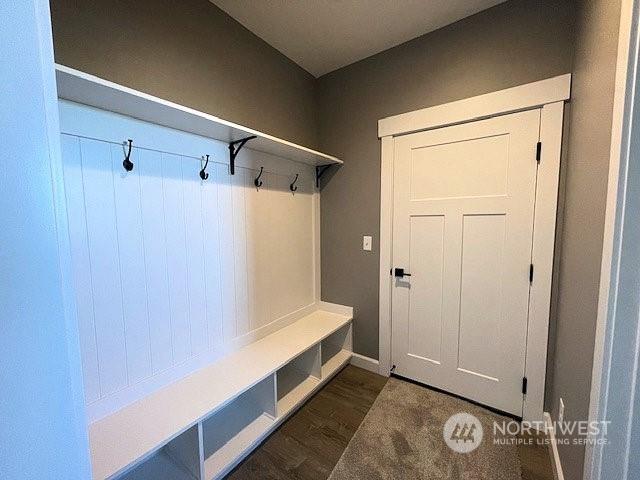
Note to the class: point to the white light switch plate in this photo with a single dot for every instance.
(366, 243)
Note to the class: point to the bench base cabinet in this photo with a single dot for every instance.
(305, 355)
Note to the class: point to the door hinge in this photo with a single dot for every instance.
(531, 273)
(524, 385)
(538, 151)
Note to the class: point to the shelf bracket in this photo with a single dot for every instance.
(320, 169)
(234, 149)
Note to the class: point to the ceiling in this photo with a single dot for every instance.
(324, 35)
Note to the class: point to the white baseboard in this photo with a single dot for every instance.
(367, 363)
(555, 456)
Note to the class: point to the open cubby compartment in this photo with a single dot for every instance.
(231, 432)
(336, 350)
(177, 460)
(297, 379)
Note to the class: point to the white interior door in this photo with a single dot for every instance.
(464, 200)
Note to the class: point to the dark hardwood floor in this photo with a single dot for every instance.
(311, 441)
(309, 444)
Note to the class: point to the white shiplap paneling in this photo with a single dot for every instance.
(149, 172)
(132, 270)
(100, 218)
(81, 272)
(171, 271)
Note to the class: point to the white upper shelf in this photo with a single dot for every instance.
(87, 89)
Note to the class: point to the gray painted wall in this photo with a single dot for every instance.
(192, 53)
(513, 43)
(585, 184)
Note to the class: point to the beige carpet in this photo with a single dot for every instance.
(401, 438)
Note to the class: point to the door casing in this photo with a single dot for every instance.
(549, 95)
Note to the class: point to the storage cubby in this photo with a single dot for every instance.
(335, 350)
(297, 379)
(236, 428)
(178, 460)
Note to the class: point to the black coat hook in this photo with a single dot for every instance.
(293, 186)
(203, 174)
(127, 164)
(257, 182)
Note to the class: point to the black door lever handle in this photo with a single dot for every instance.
(399, 272)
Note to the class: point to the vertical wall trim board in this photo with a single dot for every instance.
(42, 393)
(542, 250)
(386, 235)
(623, 110)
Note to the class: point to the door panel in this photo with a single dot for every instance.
(425, 305)
(463, 225)
(473, 168)
(481, 294)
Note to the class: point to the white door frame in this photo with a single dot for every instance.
(549, 95)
